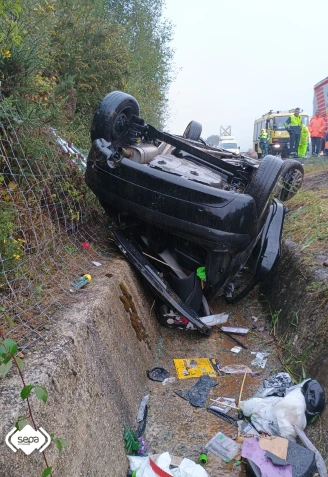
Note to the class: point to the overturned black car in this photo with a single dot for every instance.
(188, 216)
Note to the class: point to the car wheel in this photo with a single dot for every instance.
(264, 181)
(112, 118)
(291, 179)
(193, 131)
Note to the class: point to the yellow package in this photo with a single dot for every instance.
(196, 367)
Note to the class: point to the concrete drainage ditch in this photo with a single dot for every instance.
(94, 367)
(298, 298)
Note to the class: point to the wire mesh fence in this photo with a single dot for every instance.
(51, 227)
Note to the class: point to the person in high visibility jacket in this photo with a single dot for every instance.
(294, 127)
(264, 142)
(324, 134)
(317, 127)
(302, 148)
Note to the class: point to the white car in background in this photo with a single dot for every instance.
(229, 144)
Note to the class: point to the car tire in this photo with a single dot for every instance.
(193, 131)
(291, 179)
(111, 121)
(264, 181)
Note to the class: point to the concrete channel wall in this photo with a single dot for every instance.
(94, 368)
(299, 299)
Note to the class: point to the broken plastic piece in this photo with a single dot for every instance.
(211, 320)
(223, 447)
(224, 404)
(236, 369)
(201, 273)
(260, 359)
(142, 408)
(247, 429)
(236, 349)
(223, 416)
(198, 393)
(237, 331)
(96, 264)
(169, 381)
(158, 374)
(275, 385)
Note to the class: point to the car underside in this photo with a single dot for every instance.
(187, 215)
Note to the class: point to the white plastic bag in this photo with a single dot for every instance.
(276, 415)
(187, 468)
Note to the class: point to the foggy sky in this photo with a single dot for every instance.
(241, 58)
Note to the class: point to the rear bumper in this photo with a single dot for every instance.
(216, 218)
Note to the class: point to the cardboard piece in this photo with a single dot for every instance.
(253, 452)
(276, 445)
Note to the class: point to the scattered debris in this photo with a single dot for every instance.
(276, 415)
(255, 455)
(236, 349)
(85, 245)
(229, 289)
(276, 445)
(237, 331)
(132, 444)
(260, 359)
(196, 367)
(236, 369)
(222, 415)
(274, 455)
(211, 320)
(321, 466)
(275, 385)
(247, 429)
(223, 447)
(203, 459)
(255, 318)
(198, 393)
(158, 374)
(169, 381)
(82, 281)
(234, 339)
(165, 465)
(142, 408)
(96, 264)
(226, 403)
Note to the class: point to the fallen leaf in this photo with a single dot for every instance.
(12, 186)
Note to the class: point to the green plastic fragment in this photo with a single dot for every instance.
(201, 273)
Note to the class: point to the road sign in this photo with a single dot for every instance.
(225, 131)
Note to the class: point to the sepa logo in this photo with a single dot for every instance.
(28, 439)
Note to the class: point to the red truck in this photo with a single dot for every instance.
(320, 101)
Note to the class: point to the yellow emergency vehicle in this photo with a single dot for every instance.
(273, 123)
